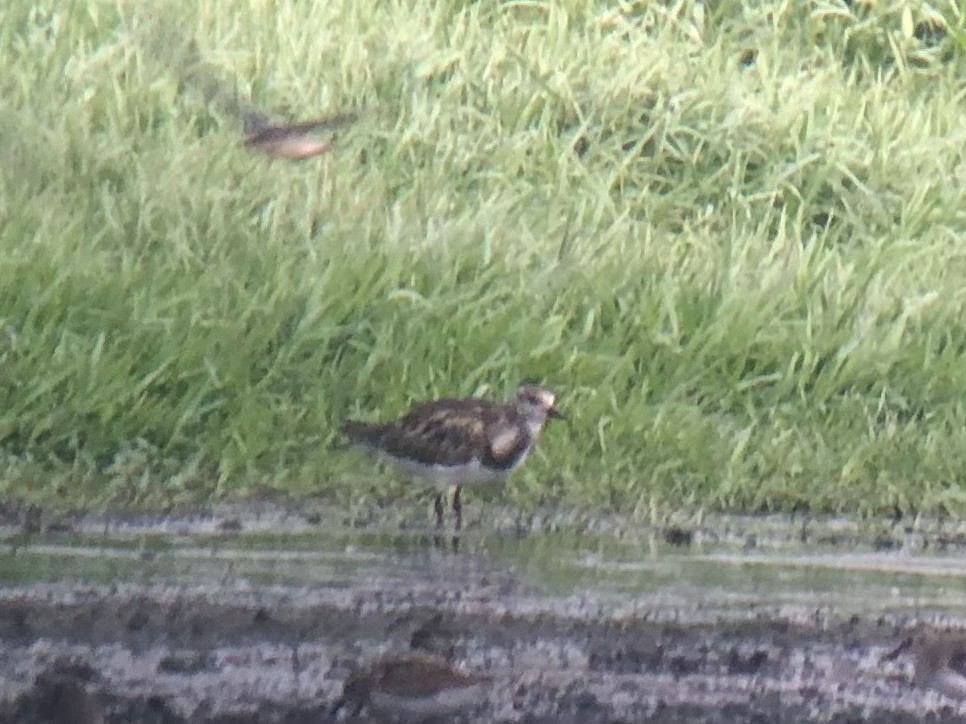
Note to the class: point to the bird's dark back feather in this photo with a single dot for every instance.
(448, 432)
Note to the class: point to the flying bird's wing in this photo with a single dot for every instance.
(295, 140)
(325, 123)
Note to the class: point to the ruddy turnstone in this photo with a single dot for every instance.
(292, 140)
(411, 687)
(460, 441)
(939, 659)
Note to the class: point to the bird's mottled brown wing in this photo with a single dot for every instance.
(449, 432)
(442, 432)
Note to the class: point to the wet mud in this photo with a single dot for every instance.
(189, 620)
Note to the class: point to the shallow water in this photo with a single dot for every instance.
(619, 625)
(851, 579)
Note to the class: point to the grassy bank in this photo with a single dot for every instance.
(731, 235)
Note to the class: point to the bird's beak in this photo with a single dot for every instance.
(555, 414)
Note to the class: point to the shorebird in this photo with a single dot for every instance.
(291, 140)
(411, 687)
(939, 659)
(457, 442)
(266, 132)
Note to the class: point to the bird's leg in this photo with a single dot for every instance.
(438, 508)
(458, 508)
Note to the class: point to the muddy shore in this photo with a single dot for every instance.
(189, 620)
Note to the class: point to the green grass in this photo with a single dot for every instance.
(731, 235)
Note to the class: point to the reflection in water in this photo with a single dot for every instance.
(575, 626)
(552, 563)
